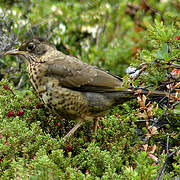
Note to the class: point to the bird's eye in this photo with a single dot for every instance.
(30, 46)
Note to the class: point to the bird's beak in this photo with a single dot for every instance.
(15, 52)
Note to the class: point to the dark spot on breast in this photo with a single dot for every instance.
(48, 105)
(40, 80)
(32, 77)
(63, 101)
(68, 108)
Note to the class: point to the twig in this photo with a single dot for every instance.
(177, 65)
(160, 175)
(167, 146)
(140, 72)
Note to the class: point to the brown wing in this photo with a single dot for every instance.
(75, 74)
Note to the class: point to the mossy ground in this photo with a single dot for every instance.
(31, 144)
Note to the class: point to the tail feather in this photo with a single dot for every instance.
(128, 94)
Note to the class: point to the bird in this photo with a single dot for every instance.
(70, 87)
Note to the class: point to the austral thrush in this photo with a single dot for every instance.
(70, 87)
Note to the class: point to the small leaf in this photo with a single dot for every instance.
(158, 55)
(165, 53)
(164, 48)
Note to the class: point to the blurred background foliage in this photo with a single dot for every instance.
(104, 33)
(108, 34)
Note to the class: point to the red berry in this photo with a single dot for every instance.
(5, 142)
(69, 147)
(33, 155)
(22, 106)
(30, 118)
(37, 106)
(20, 113)
(58, 124)
(87, 171)
(5, 87)
(10, 114)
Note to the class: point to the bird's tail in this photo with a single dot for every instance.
(127, 94)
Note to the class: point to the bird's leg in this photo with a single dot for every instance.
(73, 129)
(95, 125)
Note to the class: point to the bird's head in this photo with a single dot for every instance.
(33, 50)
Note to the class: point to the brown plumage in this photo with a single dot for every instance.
(71, 88)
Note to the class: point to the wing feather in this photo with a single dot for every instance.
(75, 74)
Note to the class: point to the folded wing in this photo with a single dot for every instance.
(74, 74)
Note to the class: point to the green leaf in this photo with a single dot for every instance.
(158, 55)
